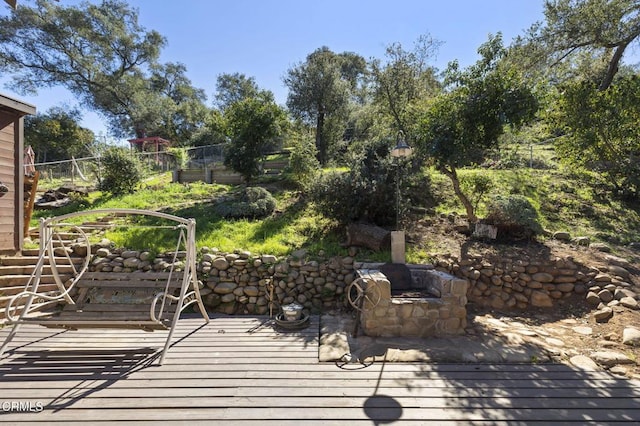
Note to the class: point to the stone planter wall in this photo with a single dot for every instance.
(242, 282)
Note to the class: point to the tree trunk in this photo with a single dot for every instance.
(370, 236)
(612, 69)
(320, 138)
(451, 173)
(140, 131)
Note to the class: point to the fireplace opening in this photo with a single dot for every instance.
(410, 283)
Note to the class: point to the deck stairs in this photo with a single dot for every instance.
(16, 270)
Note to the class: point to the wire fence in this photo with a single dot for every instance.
(88, 170)
(203, 157)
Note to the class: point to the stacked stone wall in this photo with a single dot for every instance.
(516, 283)
(243, 283)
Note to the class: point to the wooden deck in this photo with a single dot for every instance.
(235, 371)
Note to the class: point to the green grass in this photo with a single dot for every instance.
(294, 225)
(281, 156)
(573, 202)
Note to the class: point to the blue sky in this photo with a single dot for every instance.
(264, 38)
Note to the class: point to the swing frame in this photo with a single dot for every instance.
(168, 299)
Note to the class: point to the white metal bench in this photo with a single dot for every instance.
(143, 300)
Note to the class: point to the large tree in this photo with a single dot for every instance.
(403, 79)
(601, 131)
(252, 125)
(581, 47)
(56, 135)
(575, 32)
(186, 111)
(231, 88)
(460, 125)
(320, 90)
(101, 54)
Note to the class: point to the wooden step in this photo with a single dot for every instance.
(31, 252)
(33, 260)
(28, 269)
(65, 236)
(22, 279)
(9, 292)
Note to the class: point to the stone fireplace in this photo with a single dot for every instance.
(415, 301)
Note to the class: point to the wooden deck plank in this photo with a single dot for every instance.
(380, 414)
(268, 377)
(184, 391)
(288, 422)
(311, 402)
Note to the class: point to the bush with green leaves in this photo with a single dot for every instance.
(180, 156)
(303, 164)
(476, 186)
(121, 171)
(253, 124)
(253, 202)
(514, 216)
(367, 192)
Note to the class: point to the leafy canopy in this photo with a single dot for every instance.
(320, 90)
(56, 135)
(601, 131)
(581, 37)
(102, 55)
(404, 79)
(232, 88)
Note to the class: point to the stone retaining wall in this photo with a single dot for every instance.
(244, 283)
(512, 282)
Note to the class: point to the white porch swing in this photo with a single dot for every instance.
(143, 300)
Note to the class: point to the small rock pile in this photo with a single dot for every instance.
(612, 287)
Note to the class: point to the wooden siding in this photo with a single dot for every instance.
(238, 371)
(8, 176)
(11, 147)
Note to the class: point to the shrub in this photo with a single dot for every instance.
(121, 171)
(251, 203)
(367, 192)
(253, 124)
(333, 193)
(303, 164)
(514, 216)
(180, 156)
(476, 186)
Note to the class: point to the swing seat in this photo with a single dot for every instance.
(142, 300)
(117, 300)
